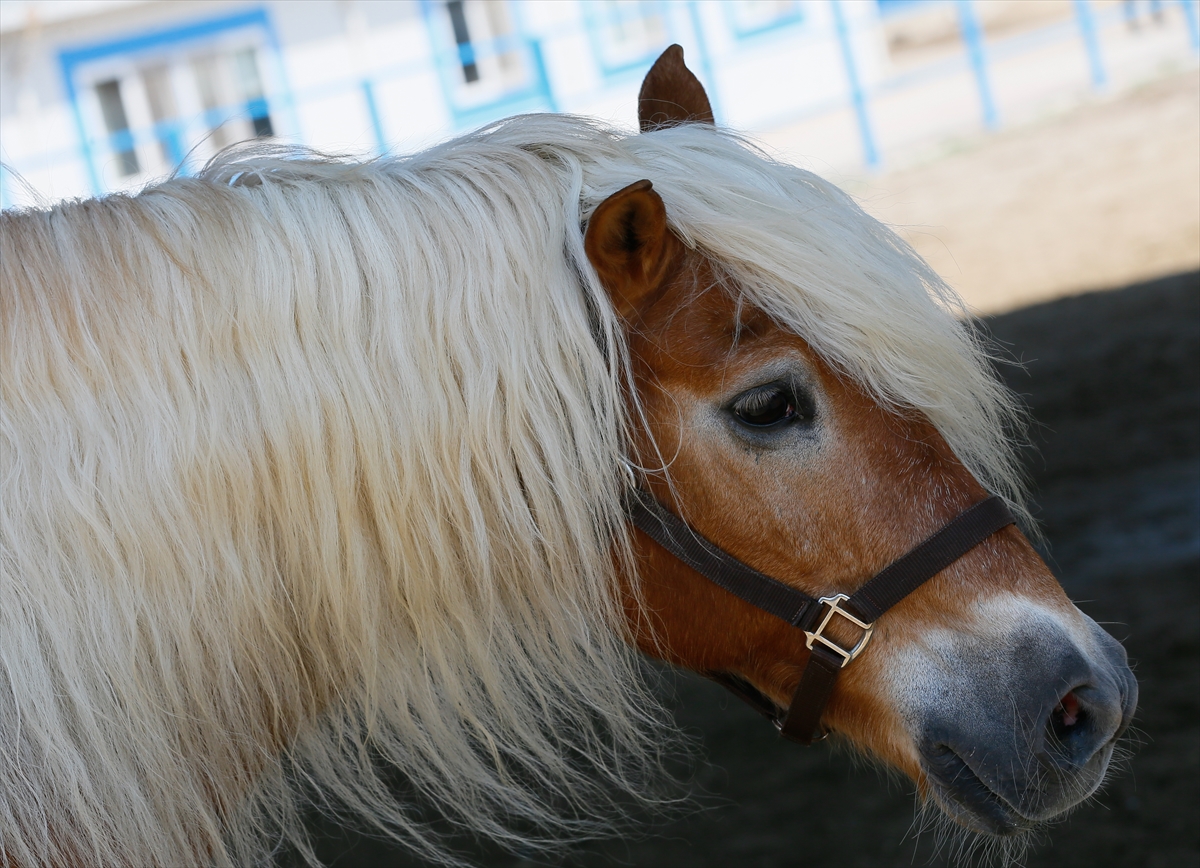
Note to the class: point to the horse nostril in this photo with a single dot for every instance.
(1068, 710)
(1068, 723)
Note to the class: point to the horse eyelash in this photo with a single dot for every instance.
(757, 399)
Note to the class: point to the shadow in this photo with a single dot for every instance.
(1113, 382)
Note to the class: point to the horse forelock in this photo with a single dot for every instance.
(799, 248)
(317, 460)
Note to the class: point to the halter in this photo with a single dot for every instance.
(801, 720)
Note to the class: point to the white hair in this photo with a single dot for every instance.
(312, 471)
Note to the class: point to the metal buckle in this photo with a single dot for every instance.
(778, 722)
(834, 609)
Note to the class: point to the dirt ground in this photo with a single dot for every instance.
(1102, 197)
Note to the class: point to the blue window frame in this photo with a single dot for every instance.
(626, 34)
(888, 8)
(487, 66)
(144, 102)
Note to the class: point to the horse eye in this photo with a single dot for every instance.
(766, 406)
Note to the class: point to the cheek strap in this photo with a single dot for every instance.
(801, 720)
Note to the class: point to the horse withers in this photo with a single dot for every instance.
(316, 472)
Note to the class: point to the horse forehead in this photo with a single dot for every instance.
(698, 327)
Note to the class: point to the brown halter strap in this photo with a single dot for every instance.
(801, 721)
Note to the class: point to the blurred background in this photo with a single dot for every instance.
(98, 96)
(1043, 155)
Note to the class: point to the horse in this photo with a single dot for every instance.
(320, 474)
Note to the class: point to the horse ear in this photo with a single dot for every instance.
(630, 246)
(672, 95)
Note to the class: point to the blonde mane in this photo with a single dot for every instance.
(312, 473)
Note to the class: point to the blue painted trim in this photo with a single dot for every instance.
(85, 142)
(595, 24)
(537, 57)
(151, 39)
(1190, 11)
(594, 27)
(857, 95)
(368, 91)
(889, 8)
(539, 64)
(973, 37)
(705, 61)
(171, 133)
(1087, 29)
(796, 16)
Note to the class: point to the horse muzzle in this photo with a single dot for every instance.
(1023, 732)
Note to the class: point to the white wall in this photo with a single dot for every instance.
(788, 84)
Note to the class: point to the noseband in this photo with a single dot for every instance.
(801, 720)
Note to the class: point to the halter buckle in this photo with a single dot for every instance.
(778, 722)
(817, 635)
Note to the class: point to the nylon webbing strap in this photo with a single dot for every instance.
(716, 565)
(747, 693)
(900, 578)
(801, 722)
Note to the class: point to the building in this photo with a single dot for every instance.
(105, 95)
(111, 94)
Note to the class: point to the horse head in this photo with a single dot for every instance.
(985, 684)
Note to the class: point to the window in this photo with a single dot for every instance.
(231, 94)
(223, 84)
(484, 60)
(147, 103)
(488, 50)
(627, 32)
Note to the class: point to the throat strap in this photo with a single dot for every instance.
(801, 721)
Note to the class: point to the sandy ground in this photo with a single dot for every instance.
(1101, 197)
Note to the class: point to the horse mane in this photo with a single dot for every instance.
(313, 473)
